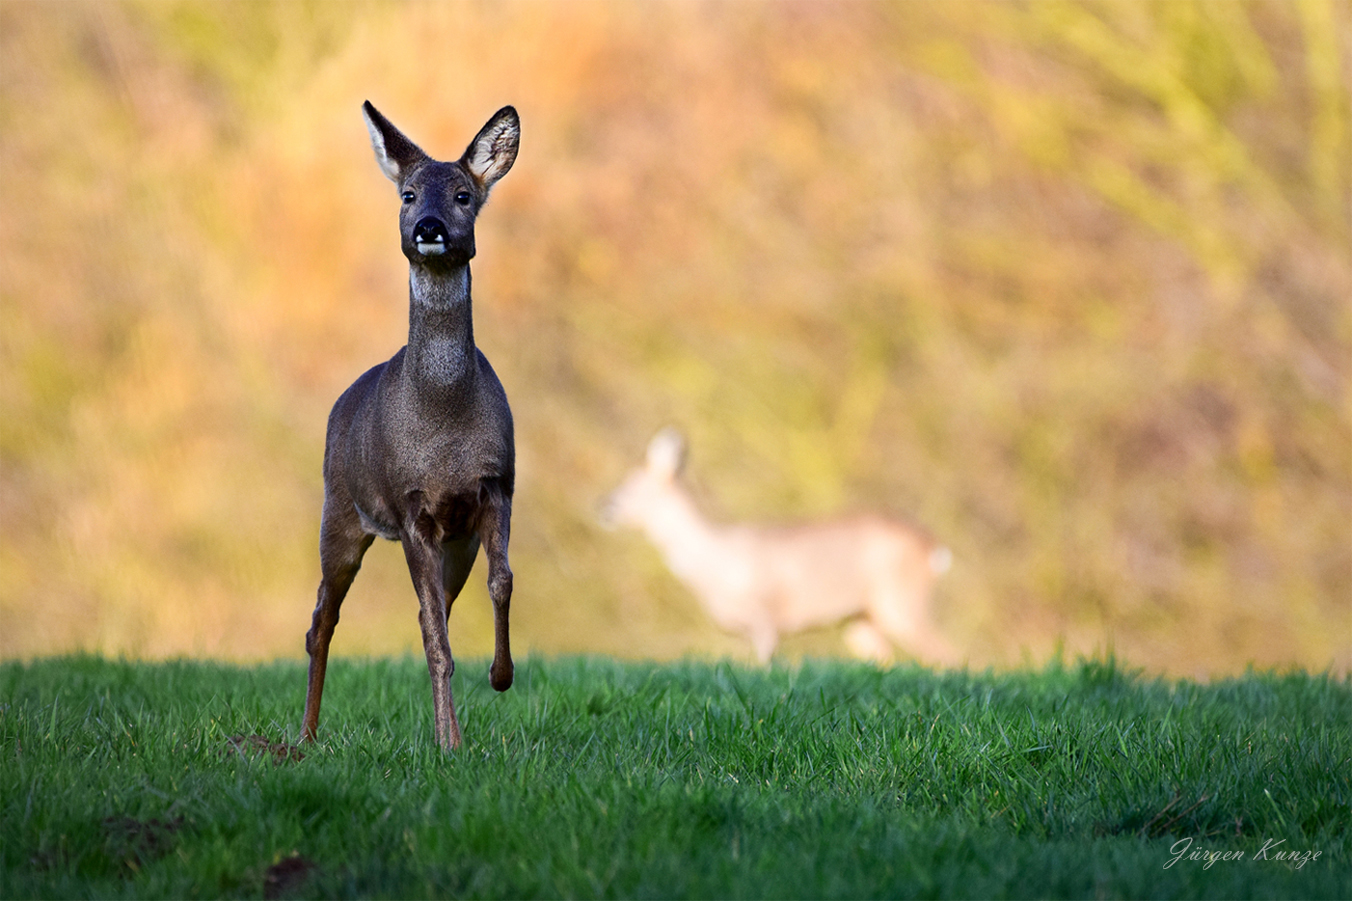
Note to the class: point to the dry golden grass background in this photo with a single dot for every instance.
(1067, 283)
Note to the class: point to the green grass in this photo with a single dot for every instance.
(598, 778)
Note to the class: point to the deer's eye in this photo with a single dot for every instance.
(463, 198)
(408, 197)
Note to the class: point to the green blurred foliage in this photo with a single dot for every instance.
(1066, 282)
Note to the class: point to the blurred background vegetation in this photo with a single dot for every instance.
(1066, 282)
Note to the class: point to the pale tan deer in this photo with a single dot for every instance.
(765, 582)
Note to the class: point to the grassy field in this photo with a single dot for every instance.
(594, 778)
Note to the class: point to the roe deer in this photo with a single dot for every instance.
(420, 448)
(765, 582)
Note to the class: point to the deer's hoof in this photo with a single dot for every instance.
(500, 676)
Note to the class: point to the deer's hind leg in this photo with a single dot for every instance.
(342, 544)
(457, 559)
(867, 642)
(424, 550)
(904, 617)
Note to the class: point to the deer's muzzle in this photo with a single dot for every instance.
(430, 236)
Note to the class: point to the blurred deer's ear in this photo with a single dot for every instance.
(493, 150)
(666, 453)
(395, 153)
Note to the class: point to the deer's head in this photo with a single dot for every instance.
(442, 200)
(646, 487)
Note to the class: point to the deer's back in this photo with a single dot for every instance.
(820, 573)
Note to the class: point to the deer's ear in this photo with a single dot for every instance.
(666, 453)
(493, 150)
(395, 153)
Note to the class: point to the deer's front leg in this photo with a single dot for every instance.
(341, 547)
(422, 549)
(495, 528)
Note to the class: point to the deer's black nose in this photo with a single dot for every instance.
(430, 230)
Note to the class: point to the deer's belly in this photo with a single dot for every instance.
(447, 516)
(375, 524)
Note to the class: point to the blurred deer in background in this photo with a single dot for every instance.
(765, 582)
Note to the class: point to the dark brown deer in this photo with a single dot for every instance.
(420, 448)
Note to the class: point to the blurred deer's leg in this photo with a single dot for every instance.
(764, 640)
(866, 642)
(903, 616)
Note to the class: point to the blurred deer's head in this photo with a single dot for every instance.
(648, 486)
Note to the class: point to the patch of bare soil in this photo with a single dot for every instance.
(134, 843)
(282, 752)
(286, 877)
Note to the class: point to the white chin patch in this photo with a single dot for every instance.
(432, 250)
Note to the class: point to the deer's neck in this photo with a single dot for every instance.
(440, 326)
(686, 539)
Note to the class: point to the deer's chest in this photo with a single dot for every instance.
(430, 477)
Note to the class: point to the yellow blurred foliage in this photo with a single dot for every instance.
(1067, 282)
